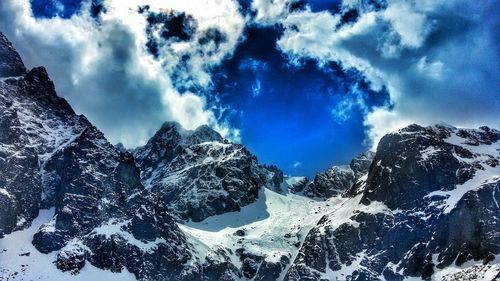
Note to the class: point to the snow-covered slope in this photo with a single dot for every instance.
(263, 235)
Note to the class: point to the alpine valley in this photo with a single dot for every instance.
(191, 205)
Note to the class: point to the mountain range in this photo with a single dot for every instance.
(191, 205)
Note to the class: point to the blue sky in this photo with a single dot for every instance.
(303, 84)
(285, 111)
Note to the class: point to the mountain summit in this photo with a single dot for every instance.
(199, 173)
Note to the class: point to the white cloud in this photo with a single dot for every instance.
(354, 99)
(256, 88)
(432, 69)
(106, 73)
(315, 35)
(269, 12)
(437, 59)
(411, 25)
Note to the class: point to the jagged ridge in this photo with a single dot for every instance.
(200, 174)
(429, 200)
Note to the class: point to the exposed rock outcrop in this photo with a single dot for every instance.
(429, 201)
(200, 174)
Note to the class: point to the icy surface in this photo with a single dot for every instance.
(469, 272)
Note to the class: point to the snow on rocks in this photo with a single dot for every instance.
(199, 173)
(267, 231)
(429, 202)
(20, 260)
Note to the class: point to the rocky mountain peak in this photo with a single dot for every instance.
(170, 131)
(429, 201)
(475, 137)
(173, 132)
(339, 179)
(65, 189)
(205, 133)
(39, 86)
(10, 61)
(482, 136)
(171, 138)
(182, 165)
(190, 205)
(439, 157)
(361, 163)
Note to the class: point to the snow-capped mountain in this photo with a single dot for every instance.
(86, 198)
(428, 203)
(338, 179)
(200, 174)
(190, 205)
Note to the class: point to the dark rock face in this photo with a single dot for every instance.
(298, 184)
(82, 187)
(339, 179)
(256, 267)
(360, 165)
(429, 201)
(269, 271)
(199, 174)
(10, 61)
(275, 178)
(478, 238)
(332, 182)
(143, 239)
(34, 123)
(19, 195)
(417, 160)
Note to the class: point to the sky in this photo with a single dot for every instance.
(303, 84)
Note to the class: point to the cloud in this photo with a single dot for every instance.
(296, 164)
(256, 88)
(347, 103)
(106, 71)
(254, 65)
(438, 60)
(129, 68)
(407, 22)
(270, 12)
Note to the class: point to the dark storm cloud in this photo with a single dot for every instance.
(114, 87)
(112, 92)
